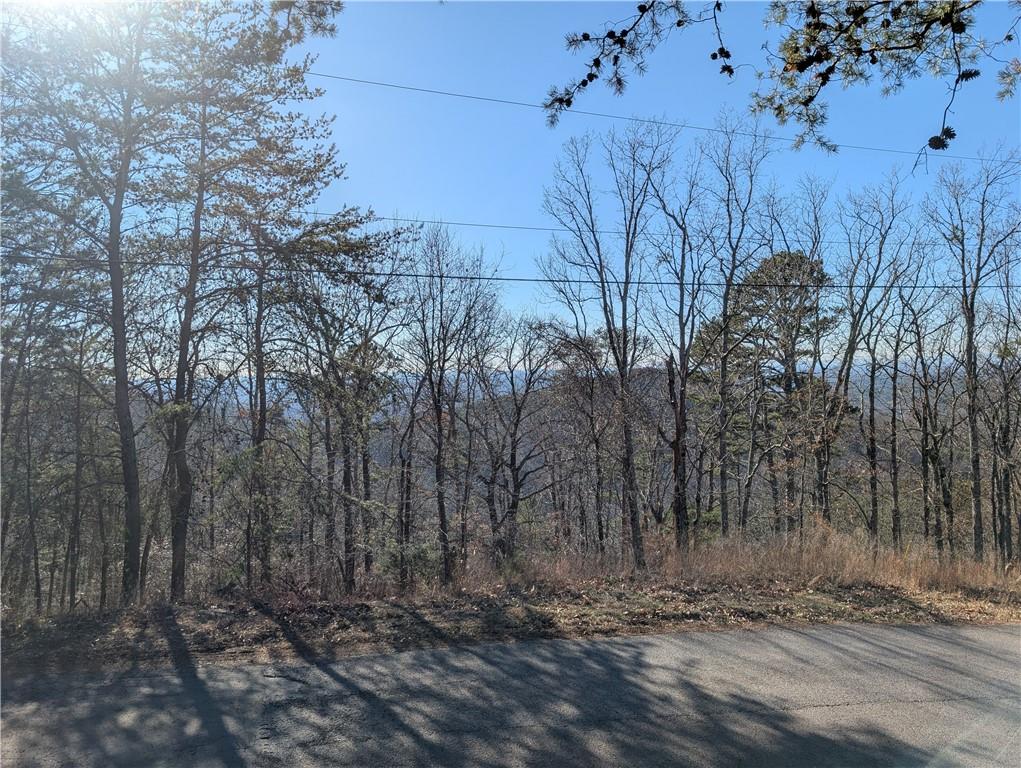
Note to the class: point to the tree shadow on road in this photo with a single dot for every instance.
(201, 701)
(130, 718)
(546, 703)
(536, 703)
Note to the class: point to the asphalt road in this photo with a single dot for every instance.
(837, 696)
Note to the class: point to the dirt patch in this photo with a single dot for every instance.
(242, 629)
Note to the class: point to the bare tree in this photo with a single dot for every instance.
(448, 303)
(508, 419)
(735, 236)
(979, 222)
(593, 269)
(682, 260)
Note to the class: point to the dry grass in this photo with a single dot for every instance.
(820, 557)
(824, 579)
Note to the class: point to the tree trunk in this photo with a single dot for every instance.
(631, 497)
(29, 501)
(600, 515)
(723, 448)
(947, 504)
(74, 537)
(974, 446)
(367, 517)
(330, 536)
(1006, 506)
(463, 502)
(774, 492)
(406, 453)
(311, 505)
(144, 568)
(104, 561)
(261, 514)
(183, 489)
(789, 459)
(994, 509)
(440, 476)
(926, 483)
(679, 450)
(404, 519)
(872, 454)
(122, 382)
(895, 521)
(125, 422)
(347, 506)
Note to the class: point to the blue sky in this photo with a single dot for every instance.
(428, 156)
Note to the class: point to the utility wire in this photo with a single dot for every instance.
(100, 264)
(537, 228)
(609, 116)
(644, 120)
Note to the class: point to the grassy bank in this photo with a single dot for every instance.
(824, 580)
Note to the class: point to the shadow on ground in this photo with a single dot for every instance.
(630, 701)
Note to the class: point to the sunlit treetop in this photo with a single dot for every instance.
(308, 19)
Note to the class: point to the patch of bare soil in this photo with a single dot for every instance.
(251, 630)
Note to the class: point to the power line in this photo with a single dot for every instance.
(644, 120)
(538, 228)
(100, 264)
(611, 116)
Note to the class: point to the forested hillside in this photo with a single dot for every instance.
(210, 385)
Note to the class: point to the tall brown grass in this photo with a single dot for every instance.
(820, 556)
